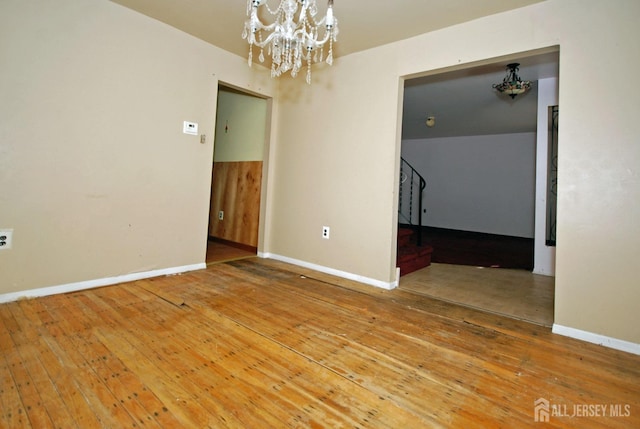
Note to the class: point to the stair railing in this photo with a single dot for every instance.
(412, 185)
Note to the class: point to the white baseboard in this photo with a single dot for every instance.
(89, 284)
(613, 343)
(543, 272)
(334, 272)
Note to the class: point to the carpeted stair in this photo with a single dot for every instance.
(411, 257)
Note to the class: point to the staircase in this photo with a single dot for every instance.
(411, 257)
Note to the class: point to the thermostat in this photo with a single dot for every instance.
(190, 128)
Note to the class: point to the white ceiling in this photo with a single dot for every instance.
(463, 101)
(220, 22)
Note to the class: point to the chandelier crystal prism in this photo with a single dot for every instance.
(294, 38)
(512, 84)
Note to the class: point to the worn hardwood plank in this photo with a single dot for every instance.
(49, 373)
(85, 374)
(258, 343)
(133, 345)
(255, 359)
(315, 339)
(21, 367)
(13, 410)
(530, 373)
(250, 358)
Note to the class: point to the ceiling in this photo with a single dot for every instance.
(463, 101)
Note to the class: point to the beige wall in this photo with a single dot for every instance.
(337, 154)
(97, 178)
(335, 167)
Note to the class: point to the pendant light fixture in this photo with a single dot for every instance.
(512, 83)
(295, 36)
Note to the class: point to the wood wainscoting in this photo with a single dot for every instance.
(235, 190)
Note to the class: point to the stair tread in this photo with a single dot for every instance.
(410, 256)
(415, 250)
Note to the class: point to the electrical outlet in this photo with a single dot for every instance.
(221, 215)
(6, 238)
(325, 232)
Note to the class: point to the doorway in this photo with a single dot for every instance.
(237, 175)
(481, 161)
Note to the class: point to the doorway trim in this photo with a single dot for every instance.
(267, 149)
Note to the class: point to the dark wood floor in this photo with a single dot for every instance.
(255, 343)
(478, 249)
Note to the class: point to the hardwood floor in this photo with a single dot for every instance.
(257, 343)
(220, 251)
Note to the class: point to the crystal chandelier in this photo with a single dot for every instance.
(294, 36)
(512, 83)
